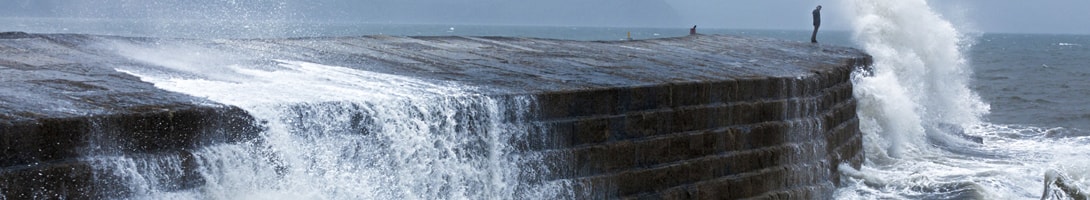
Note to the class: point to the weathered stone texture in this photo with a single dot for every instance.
(767, 137)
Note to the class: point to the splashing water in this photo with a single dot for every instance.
(339, 133)
(919, 77)
(916, 110)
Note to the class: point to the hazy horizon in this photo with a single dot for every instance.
(982, 16)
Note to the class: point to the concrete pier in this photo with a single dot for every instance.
(702, 116)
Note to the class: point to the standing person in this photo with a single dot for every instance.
(817, 23)
(692, 31)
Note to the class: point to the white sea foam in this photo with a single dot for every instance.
(915, 105)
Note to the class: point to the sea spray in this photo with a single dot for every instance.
(917, 84)
(916, 98)
(920, 75)
(338, 133)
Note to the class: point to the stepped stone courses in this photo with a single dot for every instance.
(697, 117)
(707, 142)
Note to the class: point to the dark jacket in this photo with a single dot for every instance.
(817, 17)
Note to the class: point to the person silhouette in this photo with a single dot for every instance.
(817, 23)
(692, 31)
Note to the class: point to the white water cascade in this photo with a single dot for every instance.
(339, 133)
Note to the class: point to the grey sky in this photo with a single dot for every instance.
(1008, 16)
(1019, 16)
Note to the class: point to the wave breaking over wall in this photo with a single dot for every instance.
(339, 133)
(924, 133)
(919, 81)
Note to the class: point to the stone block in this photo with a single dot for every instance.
(723, 116)
(58, 180)
(555, 105)
(767, 135)
(798, 87)
(646, 98)
(744, 113)
(41, 140)
(608, 158)
(692, 119)
(774, 110)
(746, 90)
(646, 124)
(764, 88)
(689, 94)
(780, 88)
(804, 107)
(638, 154)
(49, 139)
(548, 165)
(595, 188)
(725, 91)
(582, 103)
(553, 135)
(594, 102)
(647, 181)
(808, 84)
(729, 139)
(78, 179)
(752, 185)
(591, 131)
(677, 193)
(804, 130)
(714, 189)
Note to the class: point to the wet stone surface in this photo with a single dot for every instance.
(705, 116)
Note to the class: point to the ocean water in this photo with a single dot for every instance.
(1035, 80)
(932, 87)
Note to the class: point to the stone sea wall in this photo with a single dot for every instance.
(697, 117)
(765, 137)
(53, 157)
